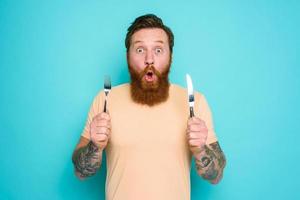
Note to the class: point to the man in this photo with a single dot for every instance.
(147, 134)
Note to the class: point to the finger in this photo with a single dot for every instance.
(100, 123)
(195, 120)
(193, 135)
(100, 130)
(204, 130)
(101, 116)
(109, 135)
(105, 116)
(195, 143)
(103, 143)
(103, 123)
(195, 127)
(96, 128)
(197, 135)
(97, 117)
(103, 129)
(101, 137)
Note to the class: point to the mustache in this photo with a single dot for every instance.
(150, 68)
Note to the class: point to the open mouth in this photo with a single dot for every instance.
(149, 76)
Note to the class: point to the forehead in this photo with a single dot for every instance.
(150, 35)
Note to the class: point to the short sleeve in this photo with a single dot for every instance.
(95, 108)
(203, 111)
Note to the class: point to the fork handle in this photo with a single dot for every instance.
(104, 110)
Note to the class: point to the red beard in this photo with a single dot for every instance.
(149, 92)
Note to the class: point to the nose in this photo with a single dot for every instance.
(149, 60)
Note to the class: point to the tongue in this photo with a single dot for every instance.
(149, 78)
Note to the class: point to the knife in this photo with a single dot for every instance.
(191, 98)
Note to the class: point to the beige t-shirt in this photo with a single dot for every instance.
(147, 155)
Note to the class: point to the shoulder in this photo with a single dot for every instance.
(121, 87)
(117, 90)
(177, 89)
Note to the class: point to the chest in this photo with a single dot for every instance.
(143, 127)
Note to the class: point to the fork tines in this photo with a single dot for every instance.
(107, 88)
(107, 84)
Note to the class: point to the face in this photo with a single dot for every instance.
(149, 60)
(149, 47)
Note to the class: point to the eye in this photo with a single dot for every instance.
(140, 50)
(158, 50)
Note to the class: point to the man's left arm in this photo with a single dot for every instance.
(209, 157)
(210, 162)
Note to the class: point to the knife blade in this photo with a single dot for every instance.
(191, 99)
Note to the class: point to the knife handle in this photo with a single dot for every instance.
(192, 112)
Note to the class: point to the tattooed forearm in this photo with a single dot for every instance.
(210, 162)
(87, 160)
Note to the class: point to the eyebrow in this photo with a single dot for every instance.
(159, 41)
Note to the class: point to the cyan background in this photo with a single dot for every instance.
(243, 55)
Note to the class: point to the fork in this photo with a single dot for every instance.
(107, 88)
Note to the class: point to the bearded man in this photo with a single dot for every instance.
(147, 134)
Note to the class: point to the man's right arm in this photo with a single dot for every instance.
(86, 158)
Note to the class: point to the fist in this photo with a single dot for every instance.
(196, 134)
(100, 130)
